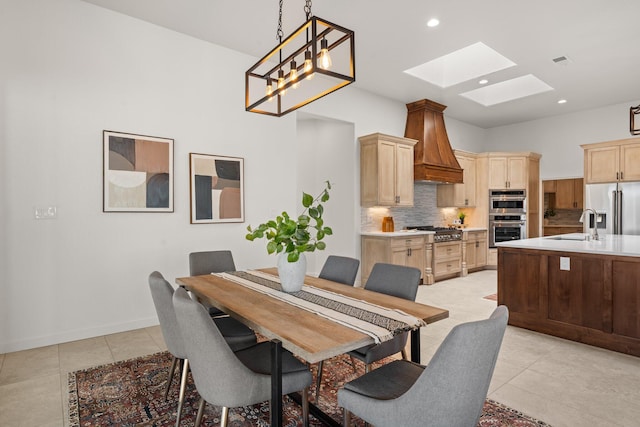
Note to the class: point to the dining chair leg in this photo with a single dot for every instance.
(200, 412)
(224, 417)
(170, 380)
(353, 363)
(347, 419)
(305, 406)
(183, 388)
(319, 380)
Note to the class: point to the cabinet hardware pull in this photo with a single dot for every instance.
(617, 175)
(621, 175)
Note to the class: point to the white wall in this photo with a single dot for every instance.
(69, 71)
(558, 138)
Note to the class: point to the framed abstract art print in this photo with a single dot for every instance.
(217, 188)
(137, 173)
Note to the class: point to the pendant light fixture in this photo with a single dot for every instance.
(326, 54)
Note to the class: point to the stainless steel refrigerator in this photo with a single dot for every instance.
(617, 205)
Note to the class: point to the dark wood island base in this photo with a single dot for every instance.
(590, 298)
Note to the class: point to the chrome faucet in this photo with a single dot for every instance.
(593, 232)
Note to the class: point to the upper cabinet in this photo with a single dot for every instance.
(460, 195)
(507, 172)
(386, 170)
(569, 193)
(612, 161)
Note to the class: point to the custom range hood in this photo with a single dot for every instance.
(433, 157)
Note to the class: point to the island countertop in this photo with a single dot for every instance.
(610, 244)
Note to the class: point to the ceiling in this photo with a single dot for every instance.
(598, 36)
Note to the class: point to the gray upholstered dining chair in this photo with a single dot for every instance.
(449, 391)
(340, 269)
(162, 294)
(395, 280)
(343, 270)
(228, 379)
(207, 262)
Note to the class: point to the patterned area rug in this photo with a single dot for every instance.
(129, 393)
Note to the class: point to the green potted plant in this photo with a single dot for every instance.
(291, 238)
(461, 217)
(549, 212)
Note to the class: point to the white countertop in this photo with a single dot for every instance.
(465, 230)
(610, 244)
(399, 233)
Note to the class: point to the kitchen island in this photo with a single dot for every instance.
(583, 290)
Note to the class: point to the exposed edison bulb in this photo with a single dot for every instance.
(308, 65)
(281, 82)
(269, 88)
(325, 58)
(293, 75)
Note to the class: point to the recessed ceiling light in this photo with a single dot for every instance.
(433, 22)
(483, 82)
(562, 101)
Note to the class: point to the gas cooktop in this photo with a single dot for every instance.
(443, 234)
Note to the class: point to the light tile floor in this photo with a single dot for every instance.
(558, 381)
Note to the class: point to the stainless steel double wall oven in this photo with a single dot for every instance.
(507, 216)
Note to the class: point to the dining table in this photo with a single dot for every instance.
(308, 335)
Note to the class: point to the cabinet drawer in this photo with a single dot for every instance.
(451, 266)
(407, 243)
(447, 250)
(477, 235)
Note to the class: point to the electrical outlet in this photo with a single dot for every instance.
(48, 212)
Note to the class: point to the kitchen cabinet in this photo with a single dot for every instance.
(595, 301)
(569, 193)
(474, 250)
(399, 250)
(507, 172)
(386, 170)
(549, 186)
(613, 161)
(518, 170)
(460, 195)
(447, 259)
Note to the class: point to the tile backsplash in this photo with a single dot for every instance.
(423, 212)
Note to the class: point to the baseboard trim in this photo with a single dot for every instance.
(75, 335)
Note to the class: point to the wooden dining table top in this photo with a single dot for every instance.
(305, 334)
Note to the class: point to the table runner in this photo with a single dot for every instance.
(380, 323)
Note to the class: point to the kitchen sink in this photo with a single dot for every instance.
(575, 237)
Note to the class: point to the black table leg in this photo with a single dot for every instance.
(276, 383)
(415, 345)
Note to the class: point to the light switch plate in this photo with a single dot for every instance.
(565, 263)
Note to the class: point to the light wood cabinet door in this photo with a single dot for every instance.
(404, 175)
(497, 173)
(508, 172)
(386, 170)
(578, 193)
(517, 172)
(460, 195)
(392, 250)
(630, 160)
(602, 164)
(476, 249)
(549, 186)
(565, 194)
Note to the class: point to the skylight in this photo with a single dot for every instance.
(507, 90)
(468, 63)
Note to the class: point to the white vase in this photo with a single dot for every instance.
(291, 273)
